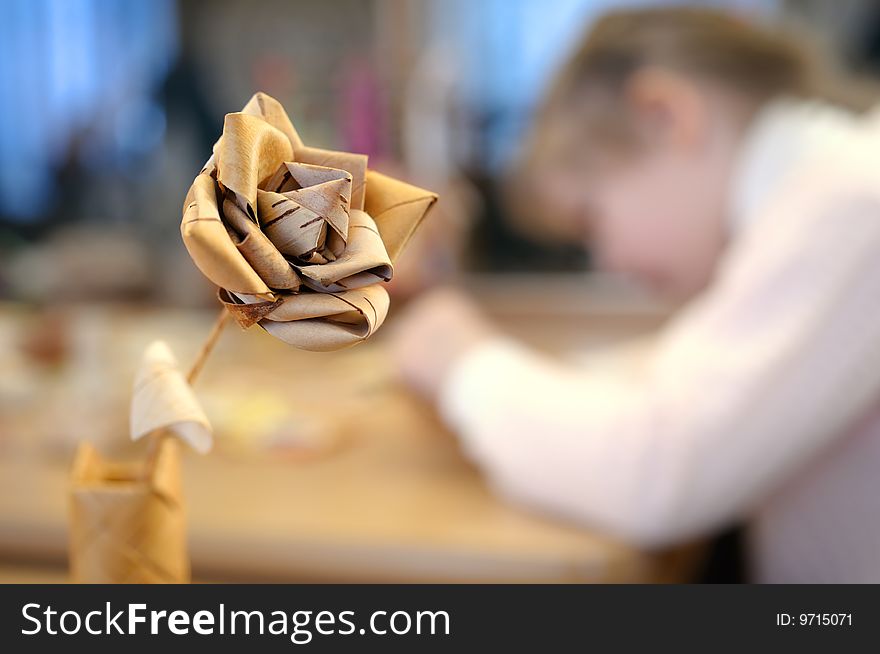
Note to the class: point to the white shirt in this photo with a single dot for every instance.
(760, 400)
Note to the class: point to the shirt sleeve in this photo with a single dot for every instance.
(744, 387)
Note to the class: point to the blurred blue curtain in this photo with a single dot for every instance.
(77, 74)
(507, 51)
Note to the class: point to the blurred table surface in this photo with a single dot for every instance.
(324, 470)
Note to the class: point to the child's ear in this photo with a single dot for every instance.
(668, 107)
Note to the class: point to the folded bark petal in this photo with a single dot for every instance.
(324, 191)
(247, 155)
(270, 110)
(292, 228)
(397, 208)
(363, 263)
(328, 321)
(247, 309)
(258, 250)
(354, 164)
(210, 245)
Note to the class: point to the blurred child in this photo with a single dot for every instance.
(697, 153)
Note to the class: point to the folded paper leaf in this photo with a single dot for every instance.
(298, 238)
(163, 400)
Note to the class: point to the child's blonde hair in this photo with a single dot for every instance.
(585, 108)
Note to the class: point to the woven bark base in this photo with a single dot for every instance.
(127, 526)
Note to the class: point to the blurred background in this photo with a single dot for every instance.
(110, 107)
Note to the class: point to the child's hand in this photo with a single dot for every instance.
(436, 330)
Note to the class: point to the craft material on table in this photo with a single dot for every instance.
(379, 491)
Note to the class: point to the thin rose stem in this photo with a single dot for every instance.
(208, 346)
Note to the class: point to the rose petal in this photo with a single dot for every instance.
(247, 310)
(210, 246)
(326, 191)
(259, 251)
(364, 261)
(293, 229)
(354, 164)
(323, 321)
(270, 110)
(397, 208)
(248, 154)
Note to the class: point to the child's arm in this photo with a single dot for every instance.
(749, 383)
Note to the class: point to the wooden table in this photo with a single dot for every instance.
(392, 498)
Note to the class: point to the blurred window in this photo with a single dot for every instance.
(78, 78)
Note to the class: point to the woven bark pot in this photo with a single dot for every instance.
(127, 520)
